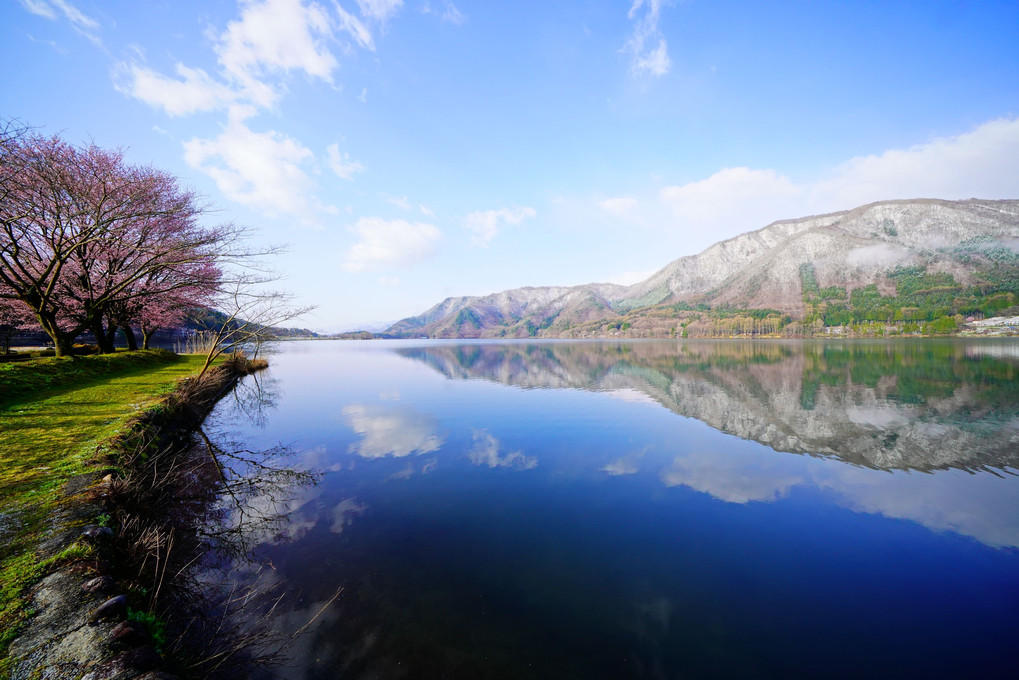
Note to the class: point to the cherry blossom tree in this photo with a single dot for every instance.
(86, 237)
(14, 316)
(38, 227)
(90, 242)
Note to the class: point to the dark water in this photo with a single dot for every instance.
(648, 509)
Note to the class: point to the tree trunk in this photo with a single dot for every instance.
(104, 338)
(111, 336)
(132, 341)
(63, 342)
(146, 336)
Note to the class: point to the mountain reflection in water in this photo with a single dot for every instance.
(648, 509)
(901, 405)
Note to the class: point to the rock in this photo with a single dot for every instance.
(131, 633)
(114, 608)
(156, 675)
(97, 534)
(100, 584)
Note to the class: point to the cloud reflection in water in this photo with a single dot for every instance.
(391, 431)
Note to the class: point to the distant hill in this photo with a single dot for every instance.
(211, 319)
(909, 263)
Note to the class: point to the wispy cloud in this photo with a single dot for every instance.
(51, 43)
(54, 9)
(620, 207)
(451, 14)
(355, 28)
(484, 225)
(379, 10)
(341, 164)
(390, 243)
(401, 202)
(648, 49)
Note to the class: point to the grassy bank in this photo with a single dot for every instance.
(54, 415)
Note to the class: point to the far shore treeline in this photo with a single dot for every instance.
(90, 243)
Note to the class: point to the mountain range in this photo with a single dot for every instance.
(892, 261)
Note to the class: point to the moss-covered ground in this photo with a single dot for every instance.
(55, 413)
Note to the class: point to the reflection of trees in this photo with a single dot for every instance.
(895, 405)
(188, 520)
(255, 397)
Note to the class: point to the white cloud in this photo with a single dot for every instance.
(40, 8)
(484, 225)
(387, 431)
(731, 192)
(649, 51)
(982, 163)
(451, 14)
(341, 164)
(379, 10)
(258, 169)
(355, 28)
(401, 202)
(269, 39)
(273, 36)
(52, 9)
(390, 243)
(619, 207)
(195, 91)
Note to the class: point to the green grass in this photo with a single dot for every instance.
(54, 415)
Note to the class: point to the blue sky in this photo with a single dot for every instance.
(412, 150)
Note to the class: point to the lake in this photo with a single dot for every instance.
(643, 509)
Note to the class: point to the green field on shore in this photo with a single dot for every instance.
(54, 414)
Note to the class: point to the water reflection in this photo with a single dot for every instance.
(486, 451)
(909, 406)
(549, 510)
(945, 407)
(390, 431)
(189, 517)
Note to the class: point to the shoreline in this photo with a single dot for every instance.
(80, 625)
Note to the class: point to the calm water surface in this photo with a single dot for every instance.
(647, 509)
